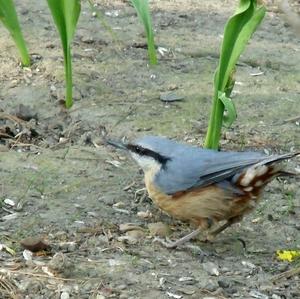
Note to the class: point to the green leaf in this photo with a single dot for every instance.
(237, 33)
(143, 11)
(229, 110)
(9, 18)
(65, 14)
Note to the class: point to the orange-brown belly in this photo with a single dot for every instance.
(200, 204)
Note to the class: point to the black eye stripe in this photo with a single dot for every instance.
(147, 152)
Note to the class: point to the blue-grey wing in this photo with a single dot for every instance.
(200, 167)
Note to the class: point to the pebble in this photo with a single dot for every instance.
(61, 263)
(127, 239)
(211, 286)
(159, 229)
(125, 227)
(187, 280)
(211, 268)
(9, 202)
(68, 246)
(123, 296)
(258, 295)
(108, 200)
(64, 295)
(10, 216)
(137, 234)
(25, 112)
(248, 265)
(187, 290)
(224, 283)
(144, 215)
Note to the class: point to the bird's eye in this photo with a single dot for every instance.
(138, 150)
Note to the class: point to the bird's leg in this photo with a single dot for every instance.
(212, 234)
(170, 244)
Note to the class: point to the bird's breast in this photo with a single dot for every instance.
(210, 202)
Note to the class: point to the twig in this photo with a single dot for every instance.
(295, 118)
(11, 117)
(51, 277)
(286, 274)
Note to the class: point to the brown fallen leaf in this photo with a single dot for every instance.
(34, 244)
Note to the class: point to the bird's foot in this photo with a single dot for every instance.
(173, 244)
(166, 243)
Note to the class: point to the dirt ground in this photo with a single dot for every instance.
(61, 184)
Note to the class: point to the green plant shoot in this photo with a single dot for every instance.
(9, 18)
(143, 11)
(101, 17)
(237, 33)
(65, 14)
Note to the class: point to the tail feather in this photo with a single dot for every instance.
(287, 173)
(275, 159)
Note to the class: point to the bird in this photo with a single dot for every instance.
(203, 186)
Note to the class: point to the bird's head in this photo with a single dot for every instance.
(147, 154)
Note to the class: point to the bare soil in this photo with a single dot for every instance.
(73, 192)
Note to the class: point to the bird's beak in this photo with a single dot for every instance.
(117, 144)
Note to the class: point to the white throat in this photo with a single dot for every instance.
(146, 163)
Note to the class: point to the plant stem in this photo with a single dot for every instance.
(151, 50)
(20, 43)
(215, 124)
(68, 74)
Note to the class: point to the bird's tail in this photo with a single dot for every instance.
(253, 178)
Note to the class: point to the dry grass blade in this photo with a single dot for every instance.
(286, 274)
(7, 288)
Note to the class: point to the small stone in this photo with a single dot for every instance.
(87, 40)
(211, 268)
(127, 239)
(170, 97)
(258, 295)
(125, 227)
(67, 246)
(224, 283)
(144, 215)
(10, 216)
(187, 290)
(248, 265)
(211, 286)
(187, 280)
(121, 287)
(107, 200)
(9, 202)
(230, 136)
(123, 295)
(25, 112)
(275, 296)
(172, 295)
(61, 263)
(159, 229)
(64, 295)
(137, 234)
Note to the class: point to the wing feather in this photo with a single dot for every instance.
(204, 167)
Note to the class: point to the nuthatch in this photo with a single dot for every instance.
(203, 186)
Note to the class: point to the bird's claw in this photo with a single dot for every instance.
(166, 243)
(173, 244)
